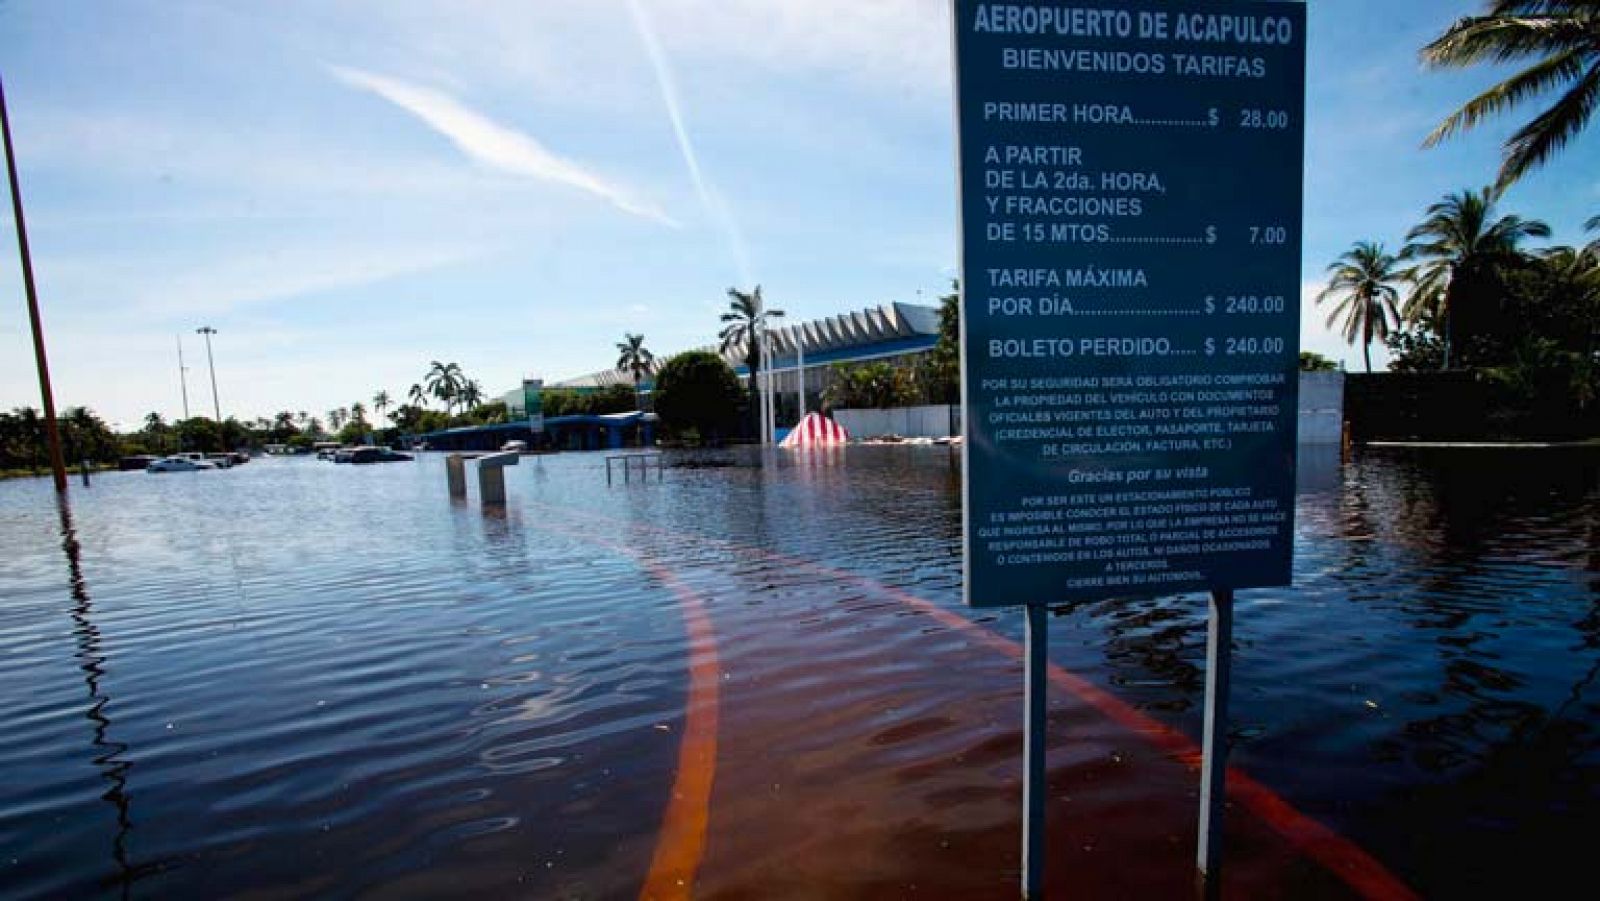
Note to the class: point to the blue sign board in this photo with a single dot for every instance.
(1131, 214)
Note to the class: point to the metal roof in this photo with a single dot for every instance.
(829, 339)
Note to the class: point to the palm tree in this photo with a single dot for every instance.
(381, 402)
(1562, 40)
(1593, 225)
(1362, 280)
(418, 395)
(470, 394)
(358, 413)
(336, 419)
(635, 360)
(1460, 246)
(444, 381)
(746, 321)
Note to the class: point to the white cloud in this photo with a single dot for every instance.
(492, 144)
(159, 287)
(714, 203)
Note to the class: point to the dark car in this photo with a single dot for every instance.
(376, 455)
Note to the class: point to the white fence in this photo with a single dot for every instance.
(1321, 407)
(907, 422)
(1321, 415)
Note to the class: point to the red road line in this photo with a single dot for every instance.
(1339, 855)
(681, 843)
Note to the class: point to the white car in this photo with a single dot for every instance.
(520, 447)
(179, 464)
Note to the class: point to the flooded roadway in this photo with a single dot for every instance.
(758, 681)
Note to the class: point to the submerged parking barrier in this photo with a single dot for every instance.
(492, 476)
(455, 474)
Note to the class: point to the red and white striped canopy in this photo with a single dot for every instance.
(816, 430)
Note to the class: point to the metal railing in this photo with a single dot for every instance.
(644, 463)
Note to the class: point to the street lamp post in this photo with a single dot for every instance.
(216, 405)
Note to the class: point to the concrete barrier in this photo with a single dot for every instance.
(492, 476)
(1321, 407)
(455, 475)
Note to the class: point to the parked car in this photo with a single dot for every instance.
(519, 446)
(359, 455)
(180, 463)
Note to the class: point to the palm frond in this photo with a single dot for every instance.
(1502, 38)
(1535, 143)
(1508, 94)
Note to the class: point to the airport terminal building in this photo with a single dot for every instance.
(800, 352)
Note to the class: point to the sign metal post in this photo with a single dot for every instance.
(1035, 784)
(1214, 743)
(1131, 202)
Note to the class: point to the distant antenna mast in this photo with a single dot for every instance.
(183, 378)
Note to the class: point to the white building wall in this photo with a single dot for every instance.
(1321, 415)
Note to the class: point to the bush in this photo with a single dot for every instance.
(870, 386)
(697, 390)
(1311, 361)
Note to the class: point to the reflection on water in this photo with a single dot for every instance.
(108, 753)
(336, 680)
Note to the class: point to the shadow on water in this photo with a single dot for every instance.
(109, 756)
(1488, 560)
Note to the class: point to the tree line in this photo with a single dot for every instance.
(1466, 290)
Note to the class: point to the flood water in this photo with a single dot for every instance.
(756, 679)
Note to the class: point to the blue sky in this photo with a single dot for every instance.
(348, 190)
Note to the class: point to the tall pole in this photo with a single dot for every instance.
(216, 405)
(761, 378)
(183, 377)
(52, 433)
(800, 366)
(770, 343)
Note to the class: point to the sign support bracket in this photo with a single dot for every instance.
(1214, 747)
(1034, 782)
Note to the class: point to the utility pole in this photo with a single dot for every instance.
(52, 432)
(183, 377)
(216, 405)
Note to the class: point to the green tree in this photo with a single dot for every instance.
(283, 427)
(418, 396)
(943, 374)
(871, 386)
(697, 390)
(470, 394)
(408, 418)
(1593, 225)
(358, 413)
(489, 413)
(445, 381)
(1311, 361)
(1460, 248)
(1362, 282)
(746, 320)
(199, 433)
(155, 432)
(381, 402)
(634, 359)
(1561, 41)
(22, 441)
